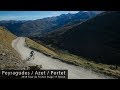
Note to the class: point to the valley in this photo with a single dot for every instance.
(86, 43)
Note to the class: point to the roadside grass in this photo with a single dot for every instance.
(9, 58)
(73, 59)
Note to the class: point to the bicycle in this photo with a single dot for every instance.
(31, 57)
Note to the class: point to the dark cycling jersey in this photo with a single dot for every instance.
(31, 53)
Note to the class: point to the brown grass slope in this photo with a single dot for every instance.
(97, 39)
(73, 59)
(9, 58)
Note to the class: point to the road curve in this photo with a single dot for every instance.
(74, 72)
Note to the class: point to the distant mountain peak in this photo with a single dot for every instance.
(45, 25)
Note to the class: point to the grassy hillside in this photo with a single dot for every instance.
(9, 58)
(73, 59)
(97, 39)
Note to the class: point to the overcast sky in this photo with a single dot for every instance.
(30, 15)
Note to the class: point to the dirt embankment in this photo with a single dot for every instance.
(9, 58)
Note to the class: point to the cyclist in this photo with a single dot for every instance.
(31, 55)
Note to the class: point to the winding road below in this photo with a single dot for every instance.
(74, 72)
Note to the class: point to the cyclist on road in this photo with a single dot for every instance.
(31, 55)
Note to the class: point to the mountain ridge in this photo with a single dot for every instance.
(40, 27)
(96, 39)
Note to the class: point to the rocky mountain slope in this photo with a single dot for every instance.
(9, 58)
